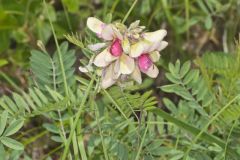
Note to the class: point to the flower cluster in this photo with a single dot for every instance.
(125, 52)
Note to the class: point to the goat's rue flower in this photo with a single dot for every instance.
(146, 51)
(124, 52)
(113, 60)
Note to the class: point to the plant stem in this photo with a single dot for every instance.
(140, 148)
(187, 17)
(114, 6)
(100, 131)
(195, 131)
(81, 142)
(228, 139)
(58, 52)
(52, 151)
(63, 73)
(67, 16)
(76, 122)
(34, 138)
(62, 126)
(115, 103)
(206, 126)
(129, 11)
(11, 82)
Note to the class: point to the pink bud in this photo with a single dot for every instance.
(144, 62)
(116, 48)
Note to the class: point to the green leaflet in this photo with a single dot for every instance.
(49, 73)
(11, 143)
(194, 131)
(33, 103)
(3, 121)
(13, 127)
(189, 85)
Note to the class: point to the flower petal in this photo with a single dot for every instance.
(100, 59)
(97, 46)
(126, 45)
(107, 33)
(88, 67)
(152, 71)
(117, 33)
(136, 75)
(155, 56)
(155, 36)
(109, 57)
(140, 48)
(107, 79)
(85, 69)
(162, 45)
(95, 25)
(126, 64)
(116, 69)
(134, 24)
(154, 46)
(137, 49)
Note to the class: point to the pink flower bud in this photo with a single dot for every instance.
(144, 62)
(116, 48)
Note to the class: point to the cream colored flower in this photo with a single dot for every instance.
(124, 52)
(146, 52)
(114, 58)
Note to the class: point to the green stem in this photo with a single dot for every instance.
(11, 82)
(34, 138)
(195, 131)
(143, 139)
(129, 105)
(206, 126)
(62, 71)
(115, 104)
(51, 152)
(187, 17)
(101, 134)
(228, 139)
(58, 52)
(76, 122)
(81, 142)
(129, 11)
(114, 6)
(67, 16)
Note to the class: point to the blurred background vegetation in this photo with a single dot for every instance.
(194, 27)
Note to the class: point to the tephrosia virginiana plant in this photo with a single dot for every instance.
(89, 117)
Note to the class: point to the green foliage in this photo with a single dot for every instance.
(6, 131)
(72, 5)
(220, 63)
(76, 40)
(15, 110)
(33, 103)
(198, 93)
(47, 70)
(189, 85)
(223, 70)
(3, 62)
(123, 122)
(131, 102)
